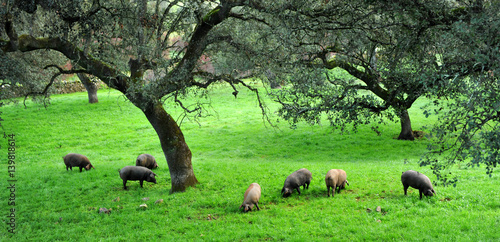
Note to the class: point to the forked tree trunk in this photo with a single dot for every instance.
(406, 131)
(90, 86)
(174, 147)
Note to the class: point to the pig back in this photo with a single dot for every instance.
(341, 176)
(73, 159)
(134, 173)
(331, 177)
(146, 160)
(252, 194)
(415, 179)
(302, 176)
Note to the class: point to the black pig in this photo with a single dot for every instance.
(301, 177)
(418, 181)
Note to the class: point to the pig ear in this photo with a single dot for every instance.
(154, 174)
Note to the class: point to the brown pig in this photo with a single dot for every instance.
(146, 160)
(77, 160)
(335, 178)
(251, 197)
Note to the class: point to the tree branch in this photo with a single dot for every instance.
(46, 89)
(194, 50)
(103, 71)
(371, 81)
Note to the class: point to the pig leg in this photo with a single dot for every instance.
(257, 205)
(405, 187)
(125, 184)
(81, 169)
(298, 189)
(420, 191)
(328, 190)
(141, 181)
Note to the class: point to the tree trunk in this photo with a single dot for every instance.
(90, 86)
(271, 77)
(174, 147)
(406, 131)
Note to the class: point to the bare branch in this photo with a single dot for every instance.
(46, 89)
(182, 105)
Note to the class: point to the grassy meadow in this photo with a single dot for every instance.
(231, 148)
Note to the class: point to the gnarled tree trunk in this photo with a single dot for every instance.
(174, 147)
(406, 131)
(90, 86)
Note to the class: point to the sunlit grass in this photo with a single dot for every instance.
(231, 149)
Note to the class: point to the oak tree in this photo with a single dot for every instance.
(151, 51)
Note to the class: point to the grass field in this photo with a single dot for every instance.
(231, 149)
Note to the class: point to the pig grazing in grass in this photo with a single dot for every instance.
(146, 160)
(301, 177)
(251, 197)
(135, 173)
(335, 178)
(418, 181)
(77, 160)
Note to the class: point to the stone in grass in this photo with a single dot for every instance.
(117, 199)
(378, 209)
(145, 199)
(159, 201)
(143, 206)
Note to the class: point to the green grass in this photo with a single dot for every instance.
(231, 149)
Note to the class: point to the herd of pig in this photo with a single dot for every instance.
(140, 172)
(335, 178)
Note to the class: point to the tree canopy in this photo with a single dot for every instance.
(468, 128)
(156, 52)
(395, 53)
(151, 51)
